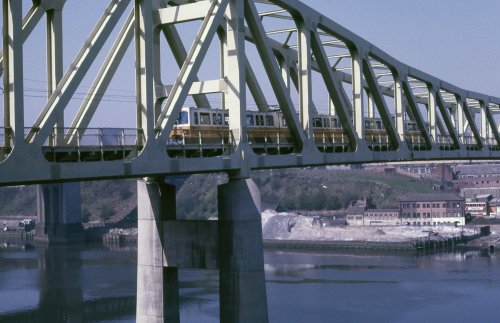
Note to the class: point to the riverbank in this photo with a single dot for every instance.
(296, 231)
(416, 245)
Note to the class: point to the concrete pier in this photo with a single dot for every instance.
(157, 286)
(59, 214)
(233, 245)
(241, 262)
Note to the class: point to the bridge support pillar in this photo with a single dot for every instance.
(241, 261)
(59, 213)
(157, 286)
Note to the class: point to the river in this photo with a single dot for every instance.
(97, 284)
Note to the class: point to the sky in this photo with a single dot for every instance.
(455, 40)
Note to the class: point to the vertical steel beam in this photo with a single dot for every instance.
(222, 32)
(484, 121)
(144, 69)
(55, 66)
(371, 108)
(285, 71)
(431, 112)
(399, 109)
(331, 106)
(13, 73)
(235, 71)
(30, 20)
(304, 77)
(357, 95)
(460, 119)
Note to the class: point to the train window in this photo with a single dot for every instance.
(326, 122)
(317, 123)
(259, 120)
(335, 123)
(196, 118)
(250, 120)
(217, 119)
(269, 121)
(379, 124)
(283, 121)
(183, 118)
(204, 118)
(367, 124)
(226, 118)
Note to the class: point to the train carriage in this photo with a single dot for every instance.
(205, 132)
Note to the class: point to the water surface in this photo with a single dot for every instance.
(97, 284)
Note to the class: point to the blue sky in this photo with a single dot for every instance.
(456, 40)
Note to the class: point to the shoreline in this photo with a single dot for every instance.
(360, 245)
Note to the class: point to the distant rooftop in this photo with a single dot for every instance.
(432, 197)
(355, 210)
(477, 169)
(382, 210)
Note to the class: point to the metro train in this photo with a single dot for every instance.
(205, 131)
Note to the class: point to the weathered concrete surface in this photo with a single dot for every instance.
(59, 214)
(191, 244)
(241, 263)
(157, 286)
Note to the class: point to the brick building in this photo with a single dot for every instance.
(373, 217)
(432, 209)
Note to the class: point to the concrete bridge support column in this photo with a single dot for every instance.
(59, 213)
(157, 286)
(241, 262)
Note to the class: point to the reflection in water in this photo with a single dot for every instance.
(60, 284)
(61, 290)
(89, 284)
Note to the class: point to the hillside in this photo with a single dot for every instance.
(291, 189)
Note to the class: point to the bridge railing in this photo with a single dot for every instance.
(91, 144)
(94, 137)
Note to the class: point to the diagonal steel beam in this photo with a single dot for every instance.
(273, 72)
(103, 79)
(189, 69)
(471, 123)
(334, 89)
(75, 74)
(380, 103)
(447, 119)
(415, 111)
(180, 54)
(492, 124)
(254, 87)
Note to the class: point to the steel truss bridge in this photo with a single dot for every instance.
(264, 55)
